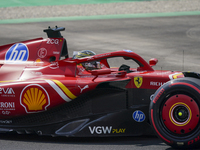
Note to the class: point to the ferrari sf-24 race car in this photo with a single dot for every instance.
(40, 92)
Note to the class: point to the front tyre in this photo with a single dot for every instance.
(175, 113)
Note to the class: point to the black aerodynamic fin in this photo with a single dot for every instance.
(54, 32)
(192, 74)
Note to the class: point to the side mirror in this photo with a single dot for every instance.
(153, 62)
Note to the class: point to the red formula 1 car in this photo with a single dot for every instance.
(44, 94)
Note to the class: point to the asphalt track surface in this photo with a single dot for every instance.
(175, 41)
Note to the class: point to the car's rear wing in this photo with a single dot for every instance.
(54, 32)
(36, 50)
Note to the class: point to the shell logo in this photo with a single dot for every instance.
(34, 98)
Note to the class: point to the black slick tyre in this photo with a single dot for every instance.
(175, 113)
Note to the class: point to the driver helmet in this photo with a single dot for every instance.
(83, 53)
(87, 65)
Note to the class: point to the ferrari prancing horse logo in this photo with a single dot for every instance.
(138, 81)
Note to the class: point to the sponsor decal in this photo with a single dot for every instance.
(102, 66)
(152, 83)
(61, 89)
(90, 58)
(85, 87)
(105, 130)
(194, 140)
(54, 65)
(88, 77)
(38, 60)
(5, 112)
(100, 129)
(53, 41)
(80, 69)
(138, 116)
(121, 130)
(34, 98)
(56, 53)
(158, 95)
(7, 105)
(101, 55)
(162, 73)
(37, 73)
(175, 76)
(129, 51)
(42, 52)
(17, 53)
(5, 121)
(7, 92)
(138, 81)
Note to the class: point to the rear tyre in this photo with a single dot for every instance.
(175, 113)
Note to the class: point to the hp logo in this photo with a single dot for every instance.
(138, 116)
(17, 53)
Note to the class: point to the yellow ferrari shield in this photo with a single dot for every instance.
(138, 81)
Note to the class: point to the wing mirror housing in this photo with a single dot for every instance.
(153, 62)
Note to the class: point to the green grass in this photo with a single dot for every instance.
(143, 15)
(18, 3)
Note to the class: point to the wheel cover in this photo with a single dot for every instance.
(180, 114)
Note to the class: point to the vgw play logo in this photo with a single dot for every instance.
(138, 116)
(100, 129)
(17, 53)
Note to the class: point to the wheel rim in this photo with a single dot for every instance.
(180, 114)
